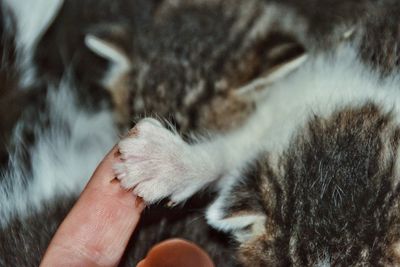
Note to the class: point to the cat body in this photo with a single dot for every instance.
(317, 175)
(299, 103)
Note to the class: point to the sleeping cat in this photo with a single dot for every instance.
(311, 182)
(293, 107)
(310, 178)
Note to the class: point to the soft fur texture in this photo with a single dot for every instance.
(288, 110)
(328, 163)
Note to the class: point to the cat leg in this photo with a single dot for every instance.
(157, 163)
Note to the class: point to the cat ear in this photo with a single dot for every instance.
(275, 74)
(120, 64)
(272, 76)
(238, 209)
(108, 44)
(243, 224)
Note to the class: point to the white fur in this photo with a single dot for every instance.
(321, 86)
(33, 18)
(120, 63)
(158, 157)
(62, 162)
(217, 218)
(157, 163)
(273, 77)
(194, 93)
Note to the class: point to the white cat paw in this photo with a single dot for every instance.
(156, 163)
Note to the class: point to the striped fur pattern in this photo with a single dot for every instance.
(306, 158)
(332, 198)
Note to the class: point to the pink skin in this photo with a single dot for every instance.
(99, 226)
(97, 230)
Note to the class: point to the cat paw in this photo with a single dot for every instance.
(156, 163)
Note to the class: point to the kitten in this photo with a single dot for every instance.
(62, 127)
(219, 67)
(310, 178)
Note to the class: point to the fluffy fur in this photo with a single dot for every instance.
(31, 21)
(293, 151)
(54, 169)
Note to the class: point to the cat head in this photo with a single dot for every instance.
(201, 65)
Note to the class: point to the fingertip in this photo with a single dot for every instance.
(100, 224)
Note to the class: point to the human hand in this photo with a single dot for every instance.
(99, 226)
(97, 229)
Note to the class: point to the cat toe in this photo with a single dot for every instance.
(151, 191)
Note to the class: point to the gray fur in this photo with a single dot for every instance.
(188, 61)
